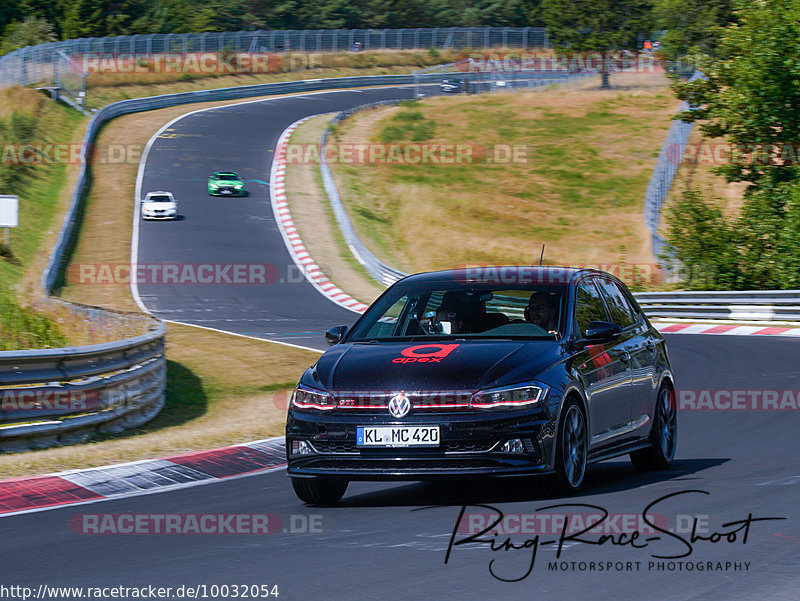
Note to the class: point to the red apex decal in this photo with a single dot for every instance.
(425, 353)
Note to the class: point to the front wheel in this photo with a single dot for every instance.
(572, 447)
(663, 435)
(319, 491)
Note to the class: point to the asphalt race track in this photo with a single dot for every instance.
(380, 543)
(237, 231)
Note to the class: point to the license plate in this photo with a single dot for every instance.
(397, 436)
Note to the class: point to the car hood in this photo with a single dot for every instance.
(150, 206)
(227, 182)
(449, 365)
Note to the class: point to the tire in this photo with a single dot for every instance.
(572, 449)
(663, 435)
(319, 491)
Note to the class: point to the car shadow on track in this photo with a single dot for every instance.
(601, 479)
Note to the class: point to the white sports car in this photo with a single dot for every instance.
(159, 205)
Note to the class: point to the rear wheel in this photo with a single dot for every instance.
(663, 435)
(572, 447)
(319, 491)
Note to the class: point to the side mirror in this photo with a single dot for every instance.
(335, 335)
(602, 331)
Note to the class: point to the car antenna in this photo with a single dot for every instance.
(541, 257)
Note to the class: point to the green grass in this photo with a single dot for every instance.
(586, 154)
(22, 328)
(38, 187)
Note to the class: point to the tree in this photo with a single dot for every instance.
(692, 26)
(29, 32)
(704, 243)
(752, 91)
(597, 25)
(751, 98)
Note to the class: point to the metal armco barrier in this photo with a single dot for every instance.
(61, 396)
(752, 305)
(381, 272)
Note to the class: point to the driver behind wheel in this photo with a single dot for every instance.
(540, 311)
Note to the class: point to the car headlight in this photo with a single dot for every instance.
(237, 186)
(309, 398)
(210, 185)
(510, 397)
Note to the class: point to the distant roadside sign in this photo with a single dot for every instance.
(9, 211)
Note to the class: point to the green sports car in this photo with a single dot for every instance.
(225, 183)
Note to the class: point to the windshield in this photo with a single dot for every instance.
(161, 198)
(227, 176)
(441, 311)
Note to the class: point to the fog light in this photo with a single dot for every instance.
(301, 447)
(513, 446)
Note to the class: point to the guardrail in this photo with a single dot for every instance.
(380, 271)
(63, 395)
(752, 305)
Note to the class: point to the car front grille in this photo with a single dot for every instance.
(420, 401)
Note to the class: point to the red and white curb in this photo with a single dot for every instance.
(38, 493)
(283, 217)
(728, 329)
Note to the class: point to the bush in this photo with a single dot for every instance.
(408, 116)
(703, 243)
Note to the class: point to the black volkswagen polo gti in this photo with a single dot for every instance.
(484, 372)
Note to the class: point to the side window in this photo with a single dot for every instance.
(388, 324)
(619, 310)
(588, 305)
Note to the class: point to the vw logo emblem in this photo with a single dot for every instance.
(399, 405)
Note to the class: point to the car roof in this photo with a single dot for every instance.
(159, 192)
(225, 173)
(519, 274)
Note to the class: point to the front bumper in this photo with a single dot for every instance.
(470, 447)
(163, 216)
(226, 192)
